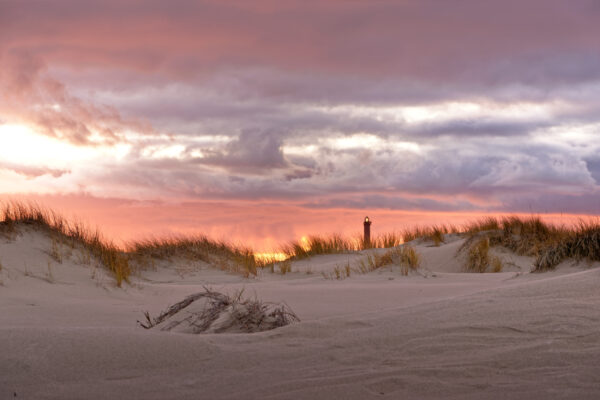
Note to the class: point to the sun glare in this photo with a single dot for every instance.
(305, 243)
(21, 145)
(270, 256)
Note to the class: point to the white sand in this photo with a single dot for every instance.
(66, 332)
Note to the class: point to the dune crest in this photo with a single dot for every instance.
(408, 321)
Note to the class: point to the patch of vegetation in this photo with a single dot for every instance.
(317, 245)
(406, 257)
(524, 236)
(478, 255)
(482, 224)
(435, 233)
(581, 243)
(549, 244)
(382, 241)
(198, 248)
(337, 244)
(14, 215)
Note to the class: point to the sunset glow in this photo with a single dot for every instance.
(299, 199)
(265, 122)
(22, 145)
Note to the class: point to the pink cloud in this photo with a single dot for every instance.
(32, 171)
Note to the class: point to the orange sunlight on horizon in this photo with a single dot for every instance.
(262, 227)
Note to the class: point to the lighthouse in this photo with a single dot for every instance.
(367, 233)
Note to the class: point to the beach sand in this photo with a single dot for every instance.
(67, 331)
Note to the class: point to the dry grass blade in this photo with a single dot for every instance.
(478, 255)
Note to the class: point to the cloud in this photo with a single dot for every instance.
(31, 172)
(29, 96)
(593, 166)
(253, 150)
(462, 46)
(400, 105)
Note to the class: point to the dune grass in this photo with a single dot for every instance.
(385, 240)
(435, 233)
(478, 255)
(406, 257)
(550, 244)
(221, 254)
(63, 232)
(580, 243)
(479, 258)
(336, 244)
(317, 245)
(524, 236)
(120, 261)
(482, 224)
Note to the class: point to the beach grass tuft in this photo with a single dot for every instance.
(478, 258)
(222, 254)
(317, 245)
(74, 234)
(580, 243)
(549, 244)
(434, 233)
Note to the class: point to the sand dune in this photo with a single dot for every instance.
(67, 332)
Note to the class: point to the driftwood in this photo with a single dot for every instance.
(214, 312)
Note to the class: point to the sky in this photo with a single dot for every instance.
(262, 121)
